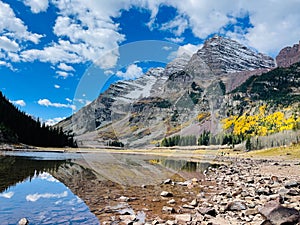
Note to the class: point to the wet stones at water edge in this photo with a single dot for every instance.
(233, 194)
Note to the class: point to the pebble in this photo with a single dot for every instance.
(166, 194)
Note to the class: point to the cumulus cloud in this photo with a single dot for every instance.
(187, 49)
(177, 26)
(36, 196)
(63, 74)
(132, 72)
(53, 121)
(86, 32)
(56, 86)
(47, 103)
(21, 103)
(270, 20)
(8, 45)
(37, 6)
(13, 27)
(65, 67)
(7, 194)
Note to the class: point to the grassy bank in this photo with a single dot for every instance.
(288, 152)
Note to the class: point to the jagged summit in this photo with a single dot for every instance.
(224, 55)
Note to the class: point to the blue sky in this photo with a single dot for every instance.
(58, 55)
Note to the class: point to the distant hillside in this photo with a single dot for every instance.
(279, 86)
(16, 126)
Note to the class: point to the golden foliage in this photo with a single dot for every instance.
(202, 116)
(260, 124)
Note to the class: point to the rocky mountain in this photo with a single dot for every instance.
(224, 55)
(288, 56)
(188, 96)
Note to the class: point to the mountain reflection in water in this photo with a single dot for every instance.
(28, 189)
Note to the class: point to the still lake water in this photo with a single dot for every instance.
(29, 187)
(29, 190)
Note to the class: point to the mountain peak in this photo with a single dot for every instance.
(224, 55)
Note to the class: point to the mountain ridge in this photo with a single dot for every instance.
(143, 111)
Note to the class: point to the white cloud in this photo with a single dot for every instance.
(108, 72)
(6, 64)
(176, 40)
(167, 48)
(275, 23)
(36, 196)
(37, 6)
(7, 194)
(132, 72)
(61, 51)
(21, 103)
(14, 27)
(47, 102)
(177, 26)
(48, 177)
(83, 101)
(87, 33)
(63, 74)
(68, 100)
(187, 49)
(65, 67)
(8, 45)
(56, 86)
(53, 121)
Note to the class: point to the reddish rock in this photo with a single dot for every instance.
(288, 56)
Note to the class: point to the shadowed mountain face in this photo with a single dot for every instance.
(188, 96)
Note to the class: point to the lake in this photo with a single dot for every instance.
(54, 188)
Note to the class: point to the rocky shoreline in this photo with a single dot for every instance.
(246, 191)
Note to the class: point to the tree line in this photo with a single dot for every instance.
(27, 130)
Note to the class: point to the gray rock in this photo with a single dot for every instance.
(278, 215)
(292, 192)
(128, 219)
(263, 191)
(171, 222)
(194, 203)
(235, 206)
(183, 217)
(188, 206)
(166, 194)
(124, 199)
(168, 181)
(172, 201)
(207, 211)
(168, 209)
(290, 184)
